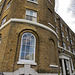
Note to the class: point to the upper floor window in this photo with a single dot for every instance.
(61, 24)
(27, 50)
(62, 34)
(64, 45)
(67, 38)
(31, 15)
(35, 1)
(8, 5)
(71, 42)
(3, 21)
(69, 48)
(65, 29)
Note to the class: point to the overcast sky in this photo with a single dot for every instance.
(66, 9)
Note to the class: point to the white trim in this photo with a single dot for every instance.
(65, 49)
(5, 24)
(51, 25)
(64, 56)
(30, 22)
(55, 66)
(27, 62)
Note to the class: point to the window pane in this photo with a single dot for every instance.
(22, 55)
(27, 48)
(25, 36)
(26, 56)
(34, 19)
(23, 48)
(32, 42)
(31, 13)
(32, 49)
(27, 12)
(31, 56)
(28, 41)
(24, 42)
(35, 14)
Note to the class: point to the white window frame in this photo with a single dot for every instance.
(27, 61)
(36, 2)
(30, 15)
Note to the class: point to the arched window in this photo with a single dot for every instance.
(27, 50)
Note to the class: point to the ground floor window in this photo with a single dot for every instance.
(27, 50)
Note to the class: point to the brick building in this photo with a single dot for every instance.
(34, 40)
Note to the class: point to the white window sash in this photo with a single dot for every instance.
(33, 15)
(21, 50)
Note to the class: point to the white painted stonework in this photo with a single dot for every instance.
(26, 70)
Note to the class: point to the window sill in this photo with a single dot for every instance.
(27, 62)
(33, 2)
(54, 66)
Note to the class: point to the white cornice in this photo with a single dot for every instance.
(5, 24)
(51, 25)
(30, 22)
(65, 49)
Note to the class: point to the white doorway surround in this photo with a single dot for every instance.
(64, 57)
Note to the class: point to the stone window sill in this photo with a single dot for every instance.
(27, 62)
